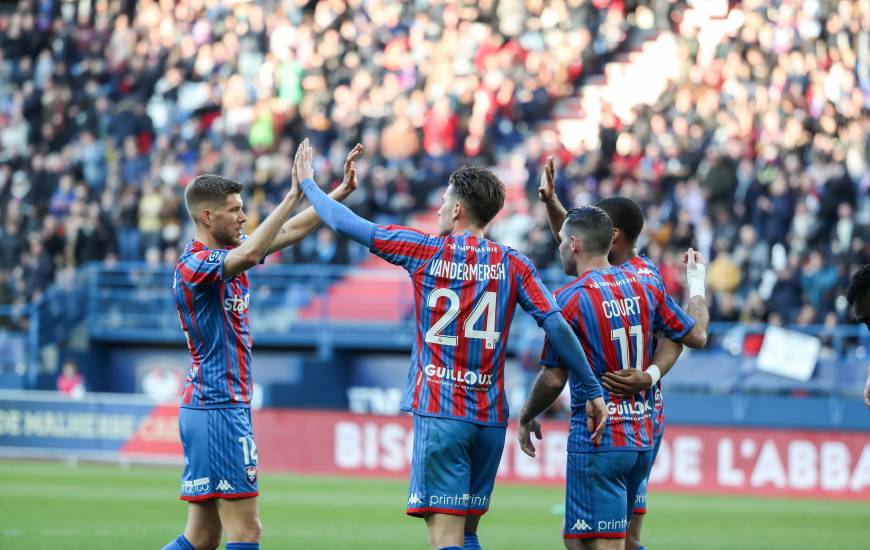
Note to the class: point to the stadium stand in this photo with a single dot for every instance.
(750, 142)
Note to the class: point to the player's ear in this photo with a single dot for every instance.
(617, 234)
(205, 217)
(457, 210)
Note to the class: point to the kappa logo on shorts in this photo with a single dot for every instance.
(224, 485)
(581, 525)
(251, 472)
(415, 499)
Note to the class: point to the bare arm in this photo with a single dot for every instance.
(628, 382)
(546, 389)
(546, 192)
(303, 224)
(697, 308)
(251, 251)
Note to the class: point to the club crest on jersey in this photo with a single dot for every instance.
(251, 473)
(215, 257)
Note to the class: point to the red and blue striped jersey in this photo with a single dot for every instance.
(466, 290)
(615, 314)
(214, 318)
(672, 315)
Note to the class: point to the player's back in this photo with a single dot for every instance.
(613, 314)
(214, 318)
(466, 290)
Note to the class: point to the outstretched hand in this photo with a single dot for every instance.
(546, 191)
(349, 182)
(303, 164)
(692, 259)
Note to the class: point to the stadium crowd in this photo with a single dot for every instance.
(757, 155)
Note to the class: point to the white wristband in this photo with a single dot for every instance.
(654, 373)
(695, 279)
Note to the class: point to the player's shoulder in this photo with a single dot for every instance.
(516, 257)
(642, 266)
(394, 231)
(573, 287)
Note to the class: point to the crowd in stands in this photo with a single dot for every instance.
(757, 155)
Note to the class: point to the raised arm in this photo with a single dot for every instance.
(697, 308)
(338, 217)
(547, 193)
(251, 251)
(303, 224)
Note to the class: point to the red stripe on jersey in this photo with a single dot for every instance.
(631, 360)
(499, 368)
(460, 357)
(486, 356)
(197, 360)
(236, 321)
(617, 431)
(646, 329)
(434, 405)
(193, 276)
(405, 248)
(418, 297)
(535, 293)
(227, 347)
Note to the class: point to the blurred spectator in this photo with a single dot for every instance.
(757, 141)
(70, 382)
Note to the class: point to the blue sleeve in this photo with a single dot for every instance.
(337, 216)
(564, 342)
(404, 246)
(532, 295)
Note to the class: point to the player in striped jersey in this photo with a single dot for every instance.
(466, 289)
(858, 298)
(615, 314)
(212, 296)
(628, 222)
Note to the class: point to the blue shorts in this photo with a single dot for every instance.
(600, 486)
(640, 500)
(453, 466)
(220, 457)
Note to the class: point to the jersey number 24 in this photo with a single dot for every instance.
(484, 307)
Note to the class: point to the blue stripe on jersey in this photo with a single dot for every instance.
(214, 317)
(473, 286)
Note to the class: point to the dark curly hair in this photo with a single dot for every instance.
(859, 286)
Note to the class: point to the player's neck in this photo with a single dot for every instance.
(464, 227)
(203, 236)
(621, 256)
(586, 263)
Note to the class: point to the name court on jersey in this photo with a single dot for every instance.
(467, 272)
(621, 308)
